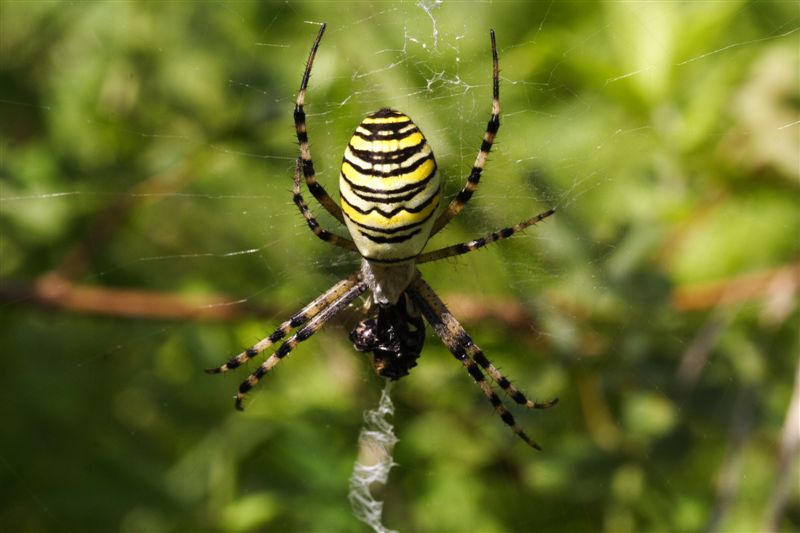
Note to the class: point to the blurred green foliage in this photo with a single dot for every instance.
(149, 146)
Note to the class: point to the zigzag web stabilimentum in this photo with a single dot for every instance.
(374, 461)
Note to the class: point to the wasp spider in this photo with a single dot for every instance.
(390, 195)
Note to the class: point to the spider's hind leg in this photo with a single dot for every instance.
(477, 244)
(313, 225)
(307, 164)
(461, 346)
(457, 204)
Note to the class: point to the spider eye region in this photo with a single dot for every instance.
(389, 187)
(395, 338)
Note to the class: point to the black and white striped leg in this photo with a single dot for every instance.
(323, 234)
(466, 247)
(302, 334)
(461, 346)
(298, 319)
(316, 189)
(461, 199)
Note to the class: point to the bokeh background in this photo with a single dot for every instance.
(147, 232)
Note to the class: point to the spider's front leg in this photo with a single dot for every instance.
(460, 344)
(305, 314)
(302, 334)
(309, 319)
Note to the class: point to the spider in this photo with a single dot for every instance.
(390, 195)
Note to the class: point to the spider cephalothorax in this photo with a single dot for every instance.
(390, 195)
(395, 338)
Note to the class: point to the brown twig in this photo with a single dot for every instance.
(57, 293)
(769, 284)
(695, 357)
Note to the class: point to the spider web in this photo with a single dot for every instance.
(376, 443)
(205, 208)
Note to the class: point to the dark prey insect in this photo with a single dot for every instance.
(390, 195)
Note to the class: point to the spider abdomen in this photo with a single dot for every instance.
(389, 187)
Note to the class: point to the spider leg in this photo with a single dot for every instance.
(461, 199)
(455, 331)
(323, 234)
(305, 314)
(466, 247)
(302, 334)
(461, 346)
(316, 189)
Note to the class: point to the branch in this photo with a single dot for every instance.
(57, 293)
(775, 285)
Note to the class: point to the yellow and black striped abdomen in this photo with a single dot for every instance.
(389, 187)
